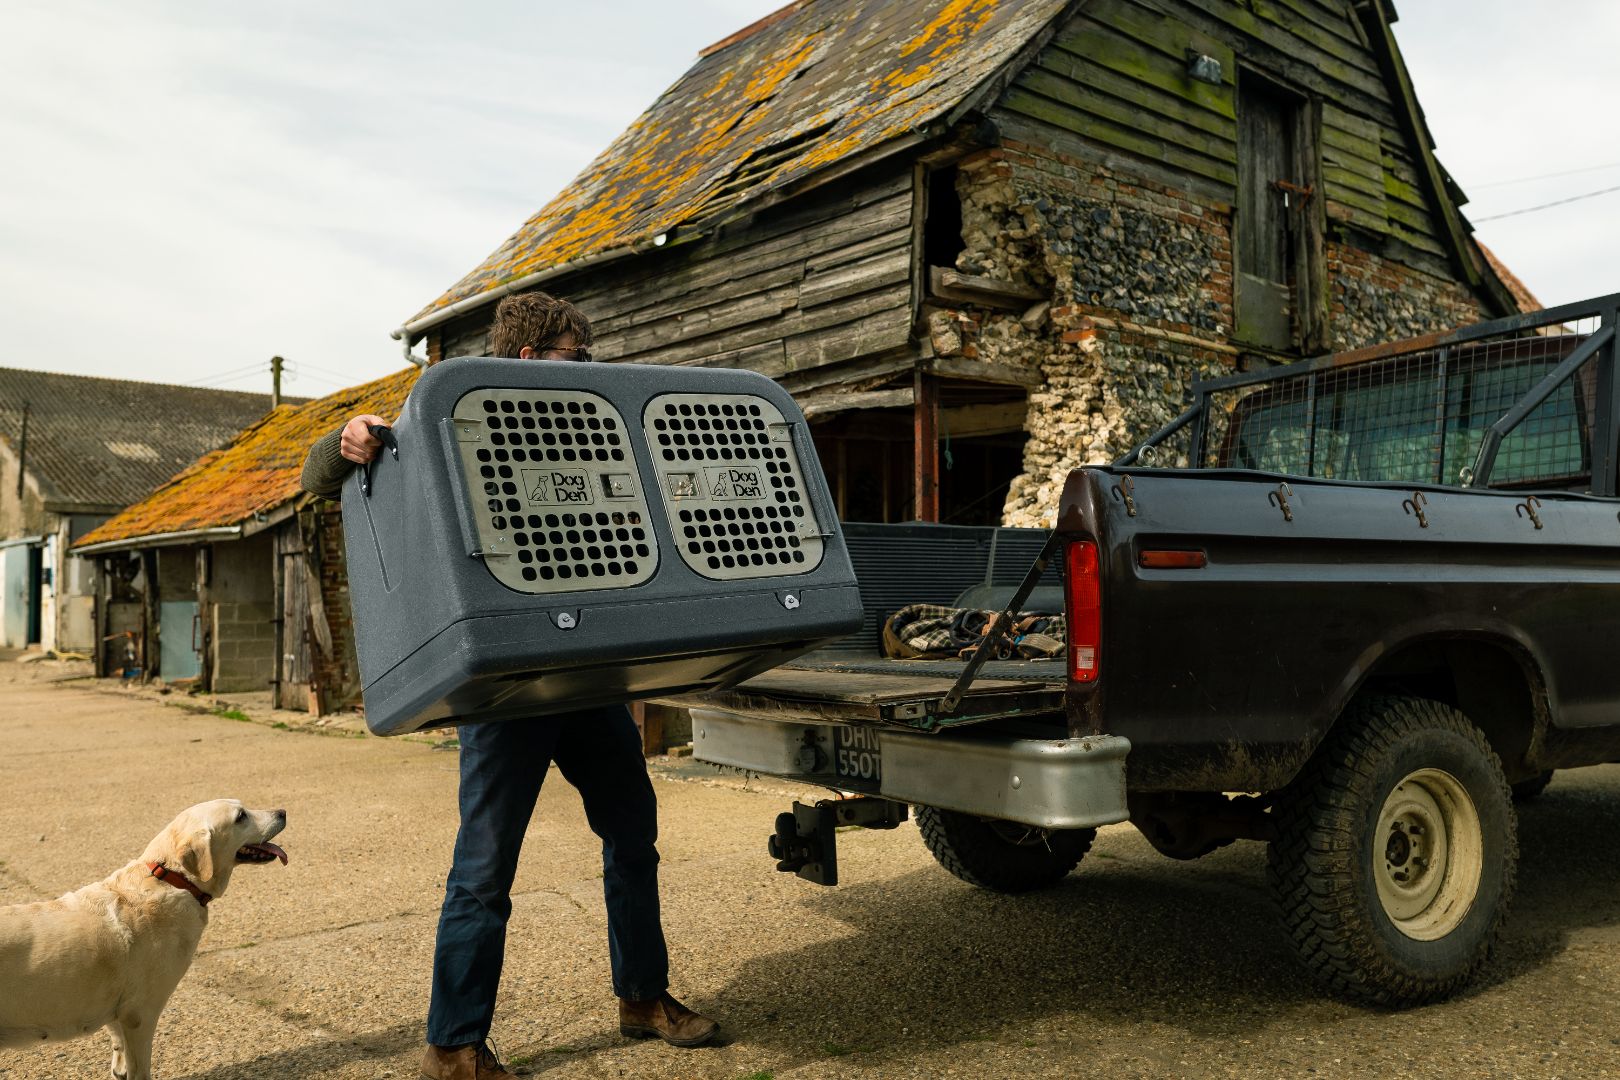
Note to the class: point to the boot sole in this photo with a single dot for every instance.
(630, 1031)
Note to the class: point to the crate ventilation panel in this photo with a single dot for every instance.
(558, 506)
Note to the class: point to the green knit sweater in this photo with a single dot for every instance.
(326, 468)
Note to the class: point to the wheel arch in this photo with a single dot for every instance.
(1491, 679)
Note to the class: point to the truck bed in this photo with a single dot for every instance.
(826, 688)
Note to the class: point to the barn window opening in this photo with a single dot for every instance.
(942, 223)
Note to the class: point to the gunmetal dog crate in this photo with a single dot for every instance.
(555, 535)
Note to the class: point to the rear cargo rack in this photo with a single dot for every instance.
(1527, 401)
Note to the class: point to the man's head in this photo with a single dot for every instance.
(533, 324)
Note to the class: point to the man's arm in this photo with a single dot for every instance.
(331, 458)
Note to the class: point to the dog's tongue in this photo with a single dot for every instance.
(274, 850)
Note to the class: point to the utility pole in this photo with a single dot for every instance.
(275, 380)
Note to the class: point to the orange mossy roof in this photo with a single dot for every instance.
(257, 471)
(807, 87)
(1521, 293)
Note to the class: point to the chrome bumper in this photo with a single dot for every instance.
(1048, 783)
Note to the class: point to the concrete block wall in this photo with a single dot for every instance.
(244, 646)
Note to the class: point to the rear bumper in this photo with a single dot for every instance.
(1048, 783)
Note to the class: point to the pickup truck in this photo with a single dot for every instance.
(1351, 608)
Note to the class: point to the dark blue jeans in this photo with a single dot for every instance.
(502, 767)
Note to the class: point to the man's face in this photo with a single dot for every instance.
(564, 348)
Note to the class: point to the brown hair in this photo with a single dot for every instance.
(535, 319)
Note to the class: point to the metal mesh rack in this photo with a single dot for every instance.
(1527, 401)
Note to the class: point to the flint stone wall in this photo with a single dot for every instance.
(1140, 280)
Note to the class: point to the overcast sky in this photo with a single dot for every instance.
(189, 188)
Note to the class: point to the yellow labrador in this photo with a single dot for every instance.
(110, 954)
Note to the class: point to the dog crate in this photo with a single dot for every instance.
(542, 536)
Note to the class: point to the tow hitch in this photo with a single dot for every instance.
(806, 838)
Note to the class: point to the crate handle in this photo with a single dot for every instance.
(458, 487)
(820, 505)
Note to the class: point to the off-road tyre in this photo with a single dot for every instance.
(1336, 834)
(1000, 855)
(1531, 786)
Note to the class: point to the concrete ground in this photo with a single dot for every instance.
(1135, 966)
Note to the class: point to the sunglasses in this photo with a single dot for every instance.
(581, 355)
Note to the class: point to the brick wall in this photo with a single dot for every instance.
(339, 673)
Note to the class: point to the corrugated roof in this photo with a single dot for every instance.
(809, 86)
(258, 471)
(108, 442)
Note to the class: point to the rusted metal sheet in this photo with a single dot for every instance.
(811, 86)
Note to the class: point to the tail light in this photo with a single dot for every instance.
(1084, 587)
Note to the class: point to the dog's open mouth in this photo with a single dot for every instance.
(260, 853)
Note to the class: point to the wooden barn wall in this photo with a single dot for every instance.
(1116, 75)
(794, 292)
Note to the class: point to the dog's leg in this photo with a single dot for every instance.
(120, 1064)
(137, 1033)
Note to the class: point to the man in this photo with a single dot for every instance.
(503, 764)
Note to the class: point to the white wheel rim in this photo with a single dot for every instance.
(1428, 854)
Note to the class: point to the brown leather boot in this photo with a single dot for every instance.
(666, 1018)
(474, 1062)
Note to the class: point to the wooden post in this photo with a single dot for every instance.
(926, 432)
(650, 721)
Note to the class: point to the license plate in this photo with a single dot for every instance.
(857, 754)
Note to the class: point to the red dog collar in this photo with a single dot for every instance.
(179, 881)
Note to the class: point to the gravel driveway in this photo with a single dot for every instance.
(1135, 966)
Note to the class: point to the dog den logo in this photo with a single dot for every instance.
(735, 482)
(556, 487)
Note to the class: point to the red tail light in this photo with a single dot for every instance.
(1084, 588)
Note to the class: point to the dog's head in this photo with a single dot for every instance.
(209, 840)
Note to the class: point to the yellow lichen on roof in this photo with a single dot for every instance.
(257, 471)
(809, 86)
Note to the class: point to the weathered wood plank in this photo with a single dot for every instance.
(866, 370)
(825, 405)
(1130, 114)
(1355, 215)
(1291, 16)
(1288, 57)
(1359, 183)
(702, 269)
(948, 284)
(1097, 129)
(1351, 195)
(728, 314)
(960, 367)
(1353, 154)
(1332, 19)
(968, 421)
(884, 327)
(887, 268)
(1289, 39)
(1099, 78)
(1092, 44)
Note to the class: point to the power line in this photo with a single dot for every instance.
(1546, 176)
(1545, 206)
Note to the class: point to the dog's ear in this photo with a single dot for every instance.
(197, 855)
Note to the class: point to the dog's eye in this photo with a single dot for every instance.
(241, 815)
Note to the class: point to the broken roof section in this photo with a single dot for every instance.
(92, 445)
(256, 474)
(818, 83)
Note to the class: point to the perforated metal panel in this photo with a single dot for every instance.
(730, 479)
(553, 483)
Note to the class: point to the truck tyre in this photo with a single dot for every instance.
(1001, 855)
(1396, 852)
(1531, 786)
